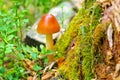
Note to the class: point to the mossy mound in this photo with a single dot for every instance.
(76, 45)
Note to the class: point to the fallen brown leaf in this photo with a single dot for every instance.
(47, 76)
(32, 78)
(118, 78)
(28, 64)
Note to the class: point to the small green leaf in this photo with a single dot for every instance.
(3, 28)
(24, 11)
(21, 56)
(34, 55)
(10, 37)
(22, 70)
(11, 31)
(25, 20)
(46, 60)
(5, 19)
(9, 45)
(21, 15)
(2, 70)
(1, 55)
(49, 52)
(10, 77)
(43, 49)
(1, 62)
(1, 45)
(11, 11)
(8, 50)
(36, 67)
(6, 58)
(0, 13)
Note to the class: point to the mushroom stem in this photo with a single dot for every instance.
(49, 42)
(49, 46)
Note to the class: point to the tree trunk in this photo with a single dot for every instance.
(90, 46)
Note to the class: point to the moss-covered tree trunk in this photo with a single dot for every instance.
(76, 45)
(91, 48)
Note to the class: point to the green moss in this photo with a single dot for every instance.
(86, 42)
(99, 34)
(65, 40)
(81, 29)
(88, 3)
(70, 69)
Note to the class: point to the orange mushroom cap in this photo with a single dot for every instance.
(48, 25)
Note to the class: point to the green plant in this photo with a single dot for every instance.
(13, 52)
(11, 34)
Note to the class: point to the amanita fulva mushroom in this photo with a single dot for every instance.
(48, 25)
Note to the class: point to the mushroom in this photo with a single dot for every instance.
(48, 25)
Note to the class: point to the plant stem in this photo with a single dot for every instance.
(18, 23)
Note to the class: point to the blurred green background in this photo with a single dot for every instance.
(34, 8)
